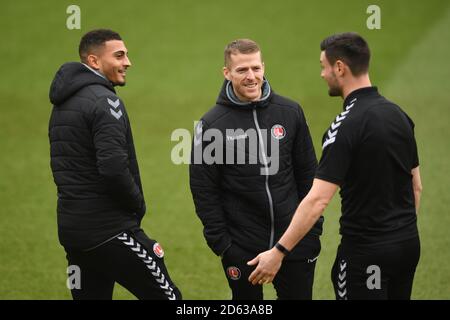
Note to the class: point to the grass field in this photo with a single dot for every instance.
(176, 50)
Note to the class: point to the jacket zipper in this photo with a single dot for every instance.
(269, 195)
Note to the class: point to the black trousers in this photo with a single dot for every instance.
(131, 259)
(375, 272)
(294, 281)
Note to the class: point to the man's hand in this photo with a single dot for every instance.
(267, 265)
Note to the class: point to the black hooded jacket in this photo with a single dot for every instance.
(93, 159)
(239, 203)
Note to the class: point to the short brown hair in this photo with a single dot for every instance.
(240, 46)
(94, 39)
(349, 47)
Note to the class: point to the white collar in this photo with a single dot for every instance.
(94, 71)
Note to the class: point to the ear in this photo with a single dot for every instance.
(93, 62)
(339, 68)
(226, 73)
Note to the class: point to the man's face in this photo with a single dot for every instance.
(328, 74)
(246, 73)
(112, 61)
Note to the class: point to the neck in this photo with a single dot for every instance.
(355, 84)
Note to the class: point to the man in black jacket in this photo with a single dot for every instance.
(370, 153)
(100, 197)
(248, 180)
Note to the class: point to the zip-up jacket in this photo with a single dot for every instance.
(251, 203)
(93, 159)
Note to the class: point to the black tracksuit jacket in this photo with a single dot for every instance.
(93, 159)
(235, 202)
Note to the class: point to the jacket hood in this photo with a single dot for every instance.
(70, 78)
(227, 96)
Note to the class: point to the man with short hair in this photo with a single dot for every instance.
(370, 153)
(246, 198)
(93, 159)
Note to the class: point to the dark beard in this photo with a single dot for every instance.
(334, 92)
(333, 88)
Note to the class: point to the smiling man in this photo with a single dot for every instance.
(243, 205)
(100, 197)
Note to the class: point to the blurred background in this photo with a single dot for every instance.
(176, 48)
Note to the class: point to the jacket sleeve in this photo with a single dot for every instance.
(305, 161)
(205, 187)
(109, 130)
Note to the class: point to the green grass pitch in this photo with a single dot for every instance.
(176, 48)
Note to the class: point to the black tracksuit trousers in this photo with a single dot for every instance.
(131, 259)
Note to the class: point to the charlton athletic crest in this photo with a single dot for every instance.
(233, 273)
(158, 250)
(278, 131)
